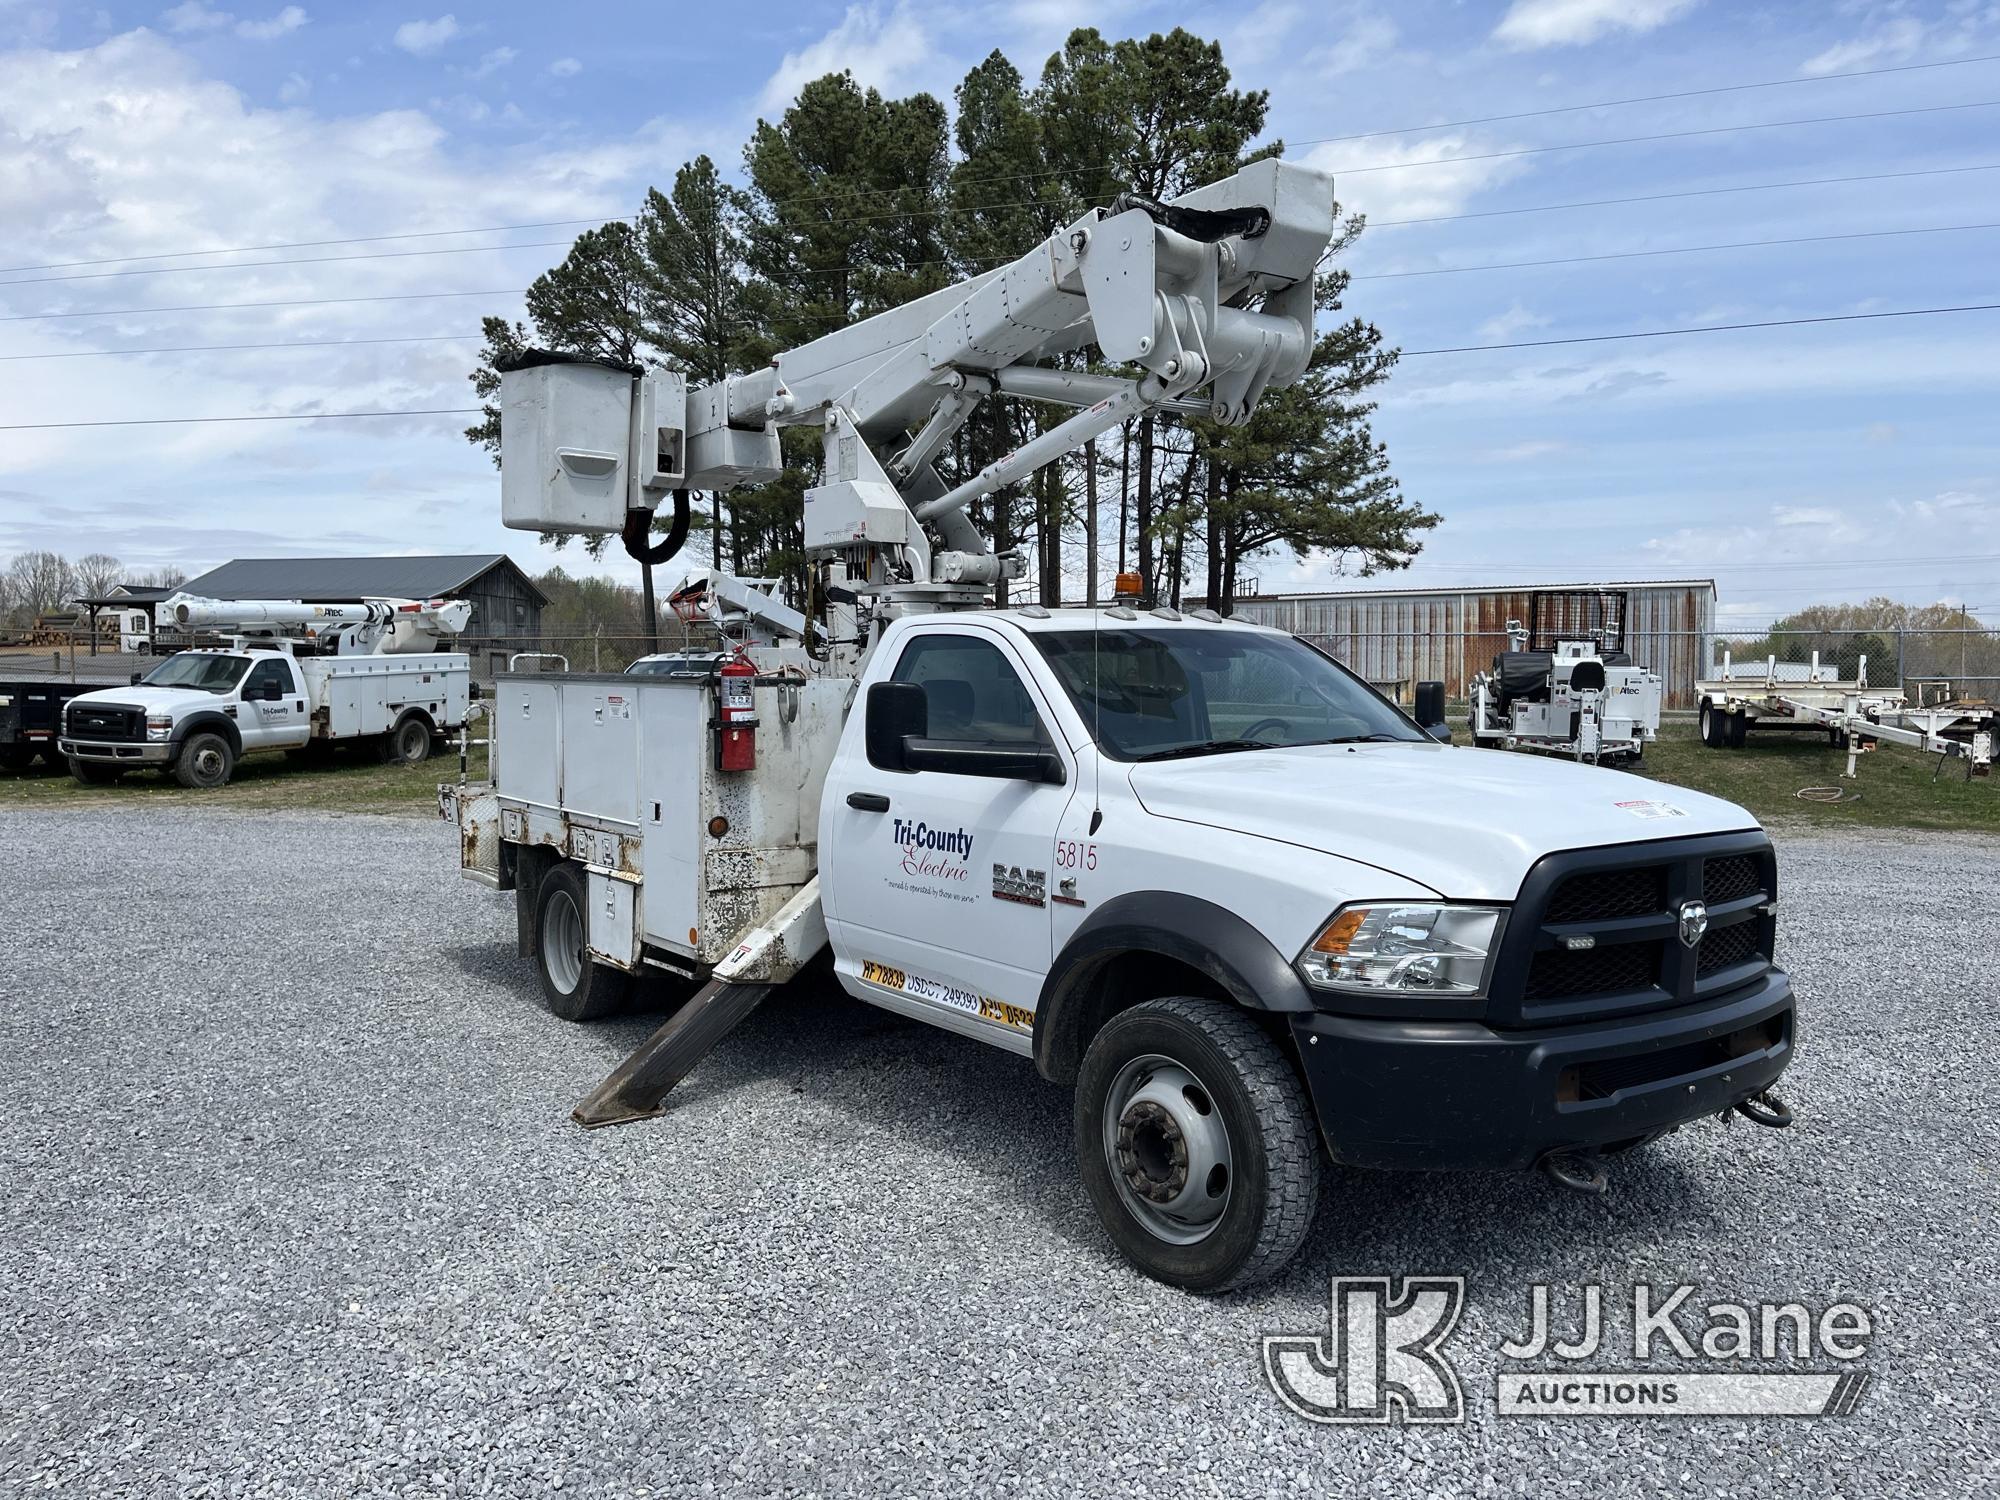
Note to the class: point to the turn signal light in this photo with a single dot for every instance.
(1338, 933)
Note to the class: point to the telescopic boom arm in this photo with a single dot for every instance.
(1207, 300)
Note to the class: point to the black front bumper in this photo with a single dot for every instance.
(1394, 1093)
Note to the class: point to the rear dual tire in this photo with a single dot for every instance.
(1197, 1144)
(575, 987)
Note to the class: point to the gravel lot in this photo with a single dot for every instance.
(292, 1206)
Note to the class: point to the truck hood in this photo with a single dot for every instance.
(156, 700)
(1467, 823)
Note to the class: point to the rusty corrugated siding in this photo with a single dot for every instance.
(1396, 639)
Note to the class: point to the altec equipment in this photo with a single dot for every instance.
(1194, 868)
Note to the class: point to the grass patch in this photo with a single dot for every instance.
(1895, 785)
(352, 781)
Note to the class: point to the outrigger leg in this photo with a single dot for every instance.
(764, 959)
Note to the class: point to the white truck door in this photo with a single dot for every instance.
(937, 884)
(266, 722)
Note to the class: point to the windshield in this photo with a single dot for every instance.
(207, 674)
(1156, 694)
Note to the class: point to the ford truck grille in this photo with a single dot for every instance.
(105, 721)
(1601, 932)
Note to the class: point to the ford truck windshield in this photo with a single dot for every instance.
(1165, 694)
(207, 674)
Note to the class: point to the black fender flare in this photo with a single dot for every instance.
(1211, 939)
(221, 723)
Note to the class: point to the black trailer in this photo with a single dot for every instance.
(30, 710)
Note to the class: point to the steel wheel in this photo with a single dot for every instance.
(562, 941)
(413, 742)
(1167, 1149)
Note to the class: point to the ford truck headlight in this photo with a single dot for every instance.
(159, 728)
(1405, 947)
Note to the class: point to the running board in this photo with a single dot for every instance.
(634, 1090)
(766, 957)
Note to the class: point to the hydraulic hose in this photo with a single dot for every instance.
(639, 523)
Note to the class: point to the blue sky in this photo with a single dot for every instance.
(1793, 465)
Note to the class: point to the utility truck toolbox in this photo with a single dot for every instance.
(1196, 870)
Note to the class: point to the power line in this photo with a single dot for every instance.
(146, 312)
(1727, 88)
(425, 338)
(1669, 135)
(311, 416)
(1408, 353)
(1578, 260)
(365, 239)
(1662, 333)
(1748, 187)
(304, 260)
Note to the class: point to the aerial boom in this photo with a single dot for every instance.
(1206, 302)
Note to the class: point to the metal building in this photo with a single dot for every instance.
(1397, 637)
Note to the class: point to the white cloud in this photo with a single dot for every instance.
(288, 20)
(494, 61)
(1568, 23)
(1516, 319)
(880, 51)
(1260, 35)
(188, 161)
(1412, 178)
(421, 37)
(1367, 41)
(295, 87)
(565, 67)
(1900, 39)
(192, 15)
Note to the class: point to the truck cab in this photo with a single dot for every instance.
(1211, 878)
(194, 714)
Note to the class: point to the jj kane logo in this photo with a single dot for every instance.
(940, 853)
(1384, 1359)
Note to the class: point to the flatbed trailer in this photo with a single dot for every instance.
(1772, 695)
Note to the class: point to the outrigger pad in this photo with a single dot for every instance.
(638, 1084)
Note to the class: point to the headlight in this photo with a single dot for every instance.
(1380, 947)
(159, 729)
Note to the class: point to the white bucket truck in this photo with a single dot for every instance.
(1197, 869)
(291, 676)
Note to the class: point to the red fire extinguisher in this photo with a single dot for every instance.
(736, 724)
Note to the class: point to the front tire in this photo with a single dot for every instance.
(574, 986)
(1196, 1144)
(205, 762)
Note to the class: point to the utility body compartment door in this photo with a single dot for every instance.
(938, 904)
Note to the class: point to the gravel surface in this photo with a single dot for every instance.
(292, 1206)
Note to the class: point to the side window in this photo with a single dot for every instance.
(973, 690)
(262, 675)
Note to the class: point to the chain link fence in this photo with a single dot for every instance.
(1927, 664)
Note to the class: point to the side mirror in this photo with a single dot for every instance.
(897, 711)
(135, 679)
(1430, 711)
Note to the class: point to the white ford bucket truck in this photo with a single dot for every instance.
(372, 679)
(1255, 915)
